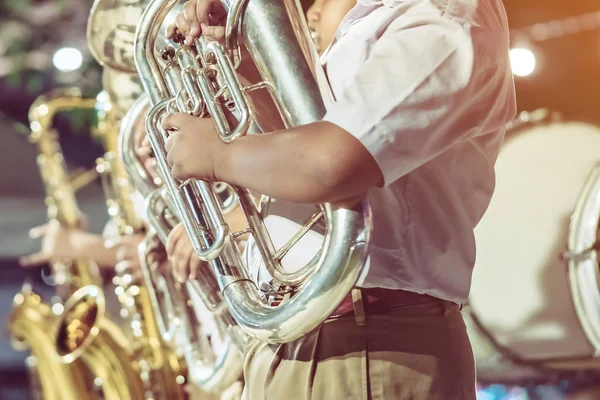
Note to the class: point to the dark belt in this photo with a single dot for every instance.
(377, 300)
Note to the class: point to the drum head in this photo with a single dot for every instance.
(521, 291)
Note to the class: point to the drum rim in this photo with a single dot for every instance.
(588, 317)
(584, 272)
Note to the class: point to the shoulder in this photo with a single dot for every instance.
(475, 32)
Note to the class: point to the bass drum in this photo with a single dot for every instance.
(534, 308)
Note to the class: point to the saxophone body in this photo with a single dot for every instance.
(59, 184)
(162, 372)
(33, 322)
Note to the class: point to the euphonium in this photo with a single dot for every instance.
(200, 79)
(32, 322)
(177, 306)
(215, 364)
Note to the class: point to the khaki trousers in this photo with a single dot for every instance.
(409, 352)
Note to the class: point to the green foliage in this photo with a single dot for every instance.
(16, 7)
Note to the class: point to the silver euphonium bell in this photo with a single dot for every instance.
(181, 310)
(201, 79)
(111, 32)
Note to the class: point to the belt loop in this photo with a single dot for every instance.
(359, 307)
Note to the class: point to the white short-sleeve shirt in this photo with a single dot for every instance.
(426, 87)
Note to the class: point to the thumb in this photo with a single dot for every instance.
(34, 260)
(216, 33)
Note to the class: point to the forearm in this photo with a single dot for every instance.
(91, 246)
(314, 163)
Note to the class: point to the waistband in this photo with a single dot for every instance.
(361, 301)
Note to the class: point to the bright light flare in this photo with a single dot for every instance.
(522, 61)
(67, 59)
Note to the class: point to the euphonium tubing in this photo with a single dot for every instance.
(173, 308)
(182, 309)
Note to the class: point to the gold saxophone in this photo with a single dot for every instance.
(164, 371)
(32, 321)
(60, 186)
(145, 364)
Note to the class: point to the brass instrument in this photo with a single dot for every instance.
(211, 367)
(86, 334)
(31, 321)
(200, 79)
(110, 30)
(83, 334)
(60, 186)
(165, 373)
(176, 306)
(144, 366)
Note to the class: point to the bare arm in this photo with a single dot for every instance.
(92, 246)
(314, 163)
(64, 243)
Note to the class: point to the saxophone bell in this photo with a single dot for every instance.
(79, 324)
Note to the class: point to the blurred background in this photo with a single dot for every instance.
(43, 46)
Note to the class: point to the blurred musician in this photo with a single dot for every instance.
(422, 92)
(107, 250)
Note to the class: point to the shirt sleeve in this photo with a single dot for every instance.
(419, 91)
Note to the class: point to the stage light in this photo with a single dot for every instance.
(522, 61)
(67, 59)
